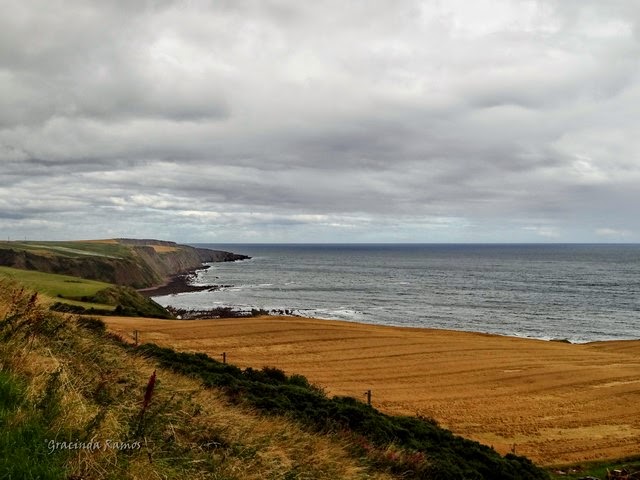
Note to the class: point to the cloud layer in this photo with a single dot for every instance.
(321, 121)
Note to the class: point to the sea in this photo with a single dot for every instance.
(574, 292)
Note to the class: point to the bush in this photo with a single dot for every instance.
(415, 447)
(92, 323)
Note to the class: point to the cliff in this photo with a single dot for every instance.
(130, 262)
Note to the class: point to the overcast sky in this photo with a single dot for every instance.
(321, 121)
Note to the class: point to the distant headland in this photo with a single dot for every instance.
(137, 263)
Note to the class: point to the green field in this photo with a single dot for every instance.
(62, 288)
(72, 249)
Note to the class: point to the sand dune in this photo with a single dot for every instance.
(555, 402)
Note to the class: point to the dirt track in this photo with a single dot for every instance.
(557, 403)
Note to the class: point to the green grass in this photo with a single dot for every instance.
(23, 436)
(62, 288)
(95, 394)
(89, 295)
(76, 249)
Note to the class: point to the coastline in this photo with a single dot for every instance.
(180, 283)
(557, 402)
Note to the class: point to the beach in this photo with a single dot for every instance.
(554, 402)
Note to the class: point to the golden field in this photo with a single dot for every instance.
(554, 402)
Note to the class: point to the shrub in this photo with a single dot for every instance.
(415, 447)
(92, 323)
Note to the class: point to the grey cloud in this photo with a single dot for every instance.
(423, 117)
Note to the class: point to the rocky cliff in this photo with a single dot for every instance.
(130, 262)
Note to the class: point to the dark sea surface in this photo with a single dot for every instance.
(576, 292)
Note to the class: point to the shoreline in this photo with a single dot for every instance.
(181, 283)
(558, 403)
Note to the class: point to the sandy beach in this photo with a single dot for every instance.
(554, 402)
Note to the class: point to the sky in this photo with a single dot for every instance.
(326, 121)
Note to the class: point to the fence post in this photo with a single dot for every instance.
(135, 336)
(224, 357)
(368, 394)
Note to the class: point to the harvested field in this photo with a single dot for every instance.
(105, 240)
(556, 402)
(163, 248)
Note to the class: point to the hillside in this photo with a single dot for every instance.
(125, 262)
(78, 402)
(554, 402)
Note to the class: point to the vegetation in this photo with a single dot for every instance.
(76, 249)
(64, 288)
(129, 302)
(596, 469)
(135, 263)
(76, 295)
(64, 380)
(83, 385)
(23, 435)
(413, 447)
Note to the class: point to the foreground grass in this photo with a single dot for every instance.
(76, 384)
(408, 446)
(96, 390)
(23, 435)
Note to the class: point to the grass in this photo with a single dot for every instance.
(558, 403)
(409, 446)
(23, 436)
(79, 385)
(54, 285)
(77, 295)
(121, 262)
(62, 288)
(80, 248)
(73, 249)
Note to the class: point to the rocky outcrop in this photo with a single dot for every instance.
(147, 262)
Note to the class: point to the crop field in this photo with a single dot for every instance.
(554, 402)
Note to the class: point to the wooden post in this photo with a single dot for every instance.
(368, 394)
(135, 336)
(224, 357)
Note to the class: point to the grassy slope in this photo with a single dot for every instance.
(74, 383)
(62, 288)
(88, 386)
(81, 293)
(85, 294)
(107, 261)
(23, 435)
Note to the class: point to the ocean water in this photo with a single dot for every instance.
(576, 292)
